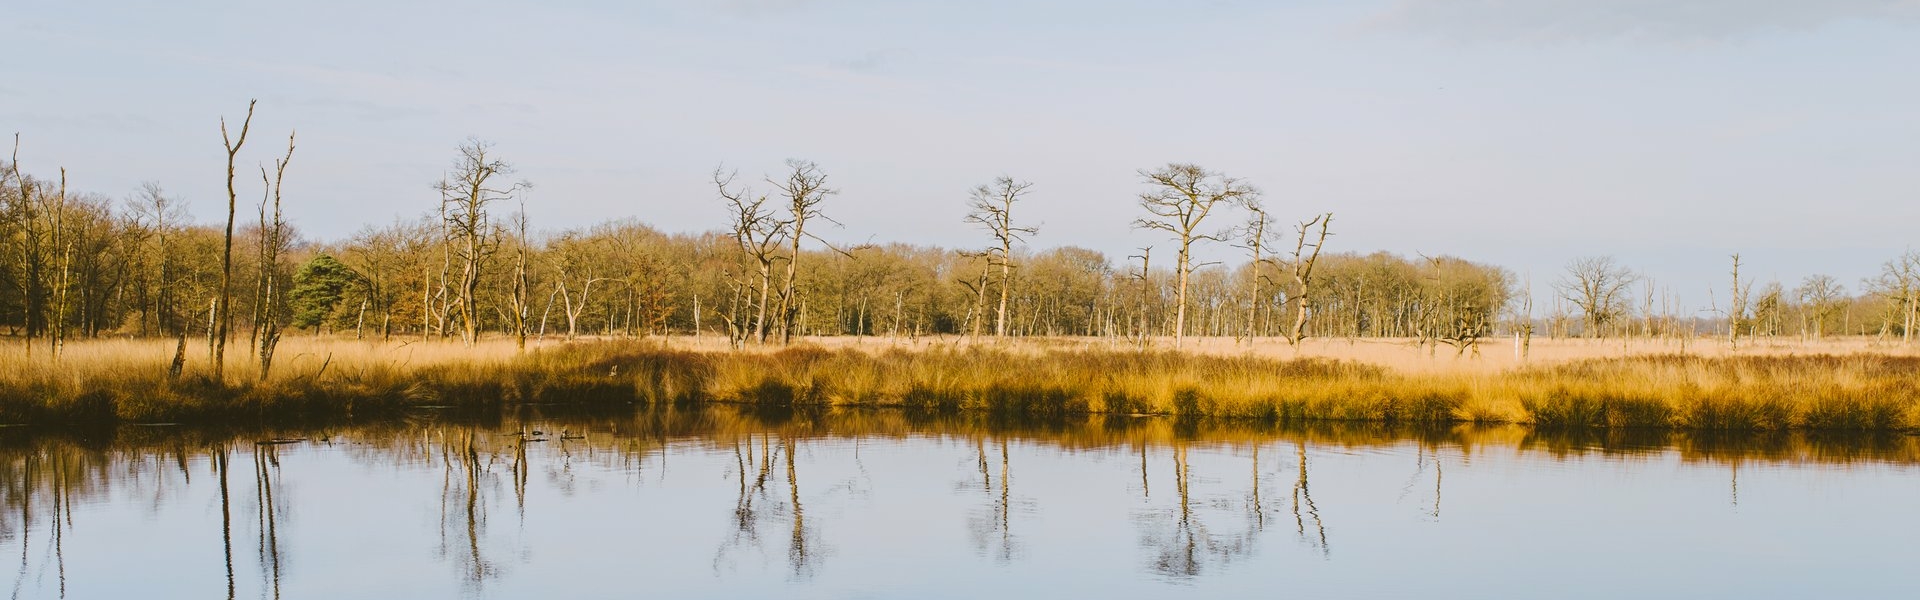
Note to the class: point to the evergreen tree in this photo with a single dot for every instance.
(317, 289)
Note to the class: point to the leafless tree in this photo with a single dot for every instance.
(1523, 323)
(224, 310)
(1820, 295)
(1255, 241)
(1303, 262)
(1597, 286)
(1145, 277)
(521, 302)
(1899, 282)
(805, 187)
(992, 207)
(1179, 198)
(1737, 305)
(976, 314)
(758, 234)
(273, 244)
(62, 240)
(577, 265)
(465, 200)
(158, 216)
(24, 215)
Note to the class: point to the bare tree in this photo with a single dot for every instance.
(1523, 323)
(159, 216)
(758, 234)
(1899, 282)
(1821, 295)
(521, 301)
(1255, 239)
(224, 310)
(465, 200)
(1179, 199)
(1597, 286)
(577, 258)
(1145, 277)
(976, 314)
(992, 207)
(1737, 306)
(273, 243)
(62, 239)
(24, 213)
(1303, 262)
(805, 187)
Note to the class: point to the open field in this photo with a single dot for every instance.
(1858, 384)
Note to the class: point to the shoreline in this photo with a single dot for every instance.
(1767, 390)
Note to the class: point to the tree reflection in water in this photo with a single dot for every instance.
(1301, 493)
(753, 504)
(1212, 510)
(463, 506)
(991, 528)
(266, 469)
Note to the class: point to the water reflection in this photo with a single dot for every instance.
(992, 525)
(1303, 494)
(266, 470)
(463, 504)
(521, 498)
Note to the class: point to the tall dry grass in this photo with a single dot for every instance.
(324, 378)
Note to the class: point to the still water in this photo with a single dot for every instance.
(732, 503)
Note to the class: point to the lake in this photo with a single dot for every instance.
(735, 502)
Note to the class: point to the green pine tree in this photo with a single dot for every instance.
(317, 289)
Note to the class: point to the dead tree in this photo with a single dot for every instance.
(1523, 326)
(1146, 283)
(1256, 241)
(62, 240)
(162, 214)
(25, 213)
(573, 257)
(1820, 294)
(223, 318)
(976, 314)
(992, 207)
(1737, 306)
(1178, 201)
(465, 200)
(273, 244)
(522, 287)
(759, 236)
(1899, 283)
(1597, 286)
(1303, 262)
(805, 187)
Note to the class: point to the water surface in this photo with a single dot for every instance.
(732, 503)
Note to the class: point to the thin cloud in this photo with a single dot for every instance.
(759, 8)
(871, 62)
(1648, 20)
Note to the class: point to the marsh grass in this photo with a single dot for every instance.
(332, 379)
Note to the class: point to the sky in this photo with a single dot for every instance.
(1524, 133)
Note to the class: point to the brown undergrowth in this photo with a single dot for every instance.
(1871, 392)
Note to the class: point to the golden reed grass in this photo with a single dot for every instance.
(1847, 385)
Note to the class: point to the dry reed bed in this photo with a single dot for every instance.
(126, 381)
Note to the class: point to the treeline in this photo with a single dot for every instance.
(77, 264)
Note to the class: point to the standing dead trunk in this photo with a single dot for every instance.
(1179, 200)
(805, 188)
(1303, 273)
(464, 202)
(224, 311)
(271, 295)
(992, 207)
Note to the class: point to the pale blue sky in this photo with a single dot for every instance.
(1520, 132)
